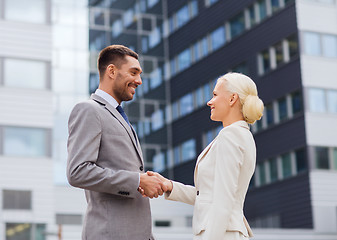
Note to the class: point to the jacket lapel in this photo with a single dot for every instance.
(119, 117)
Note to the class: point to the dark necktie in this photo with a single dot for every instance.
(121, 111)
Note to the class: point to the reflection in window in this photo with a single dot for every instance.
(312, 44)
(237, 25)
(208, 137)
(156, 78)
(282, 108)
(322, 157)
(157, 120)
(25, 231)
(194, 8)
(286, 165)
(241, 68)
(26, 142)
(196, 52)
(188, 150)
(155, 37)
(262, 9)
(199, 97)
(186, 104)
(332, 101)
(184, 59)
(34, 11)
(176, 155)
(128, 17)
(159, 162)
(34, 73)
(329, 45)
(173, 67)
(317, 101)
(182, 16)
(207, 93)
(275, 5)
(218, 38)
(175, 110)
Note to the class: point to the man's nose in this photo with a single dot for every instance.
(139, 81)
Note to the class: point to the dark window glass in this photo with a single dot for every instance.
(296, 99)
(293, 46)
(279, 53)
(270, 114)
(273, 169)
(237, 25)
(282, 107)
(301, 162)
(286, 165)
(14, 199)
(265, 60)
(322, 157)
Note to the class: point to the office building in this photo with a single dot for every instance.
(288, 47)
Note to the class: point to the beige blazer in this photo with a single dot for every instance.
(221, 177)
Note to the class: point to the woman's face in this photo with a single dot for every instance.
(220, 103)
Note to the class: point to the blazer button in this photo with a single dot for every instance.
(197, 192)
(141, 168)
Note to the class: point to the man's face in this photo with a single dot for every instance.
(127, 79)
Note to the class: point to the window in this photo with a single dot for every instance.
(182, 16)
(252, 16)
(270, 114)
(194, 8)
(241, 68)
(34, 73)
(173, 67)
(156, 77)
(159, 162)
(26, 231)
(332, 101)
(196, 52)
(210, 2)
(151, 3)
(69, 219)
(301, 163)
(282, 108)
(207, 93)
(155, 37)
(262, 173)
(176, 155)
(322, 157)
(25, 142)
(296, 100)
(162, 223)
(293, 46)
(329, 43)
(199, 97)
(186, 104)
(275, 5)
(188, 150)
(157, 120)
(175, 110)
(317, 102)
(15, 199)
(218, 38)
(34, 11)
(265, 60)
(184, 59)
(204, 46)
(334, 160)
(128, 17)
(279, 53)
(262, 7)
(312, 44)
(273, 169)
(208, 137)
(286, 165)
(237, 25)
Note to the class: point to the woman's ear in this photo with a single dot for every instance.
(233, 99)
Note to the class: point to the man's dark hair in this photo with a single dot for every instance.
(113, 54)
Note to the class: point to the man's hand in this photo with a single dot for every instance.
(151, 186)
(167, 183)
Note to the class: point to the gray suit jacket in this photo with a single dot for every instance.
(105, 160)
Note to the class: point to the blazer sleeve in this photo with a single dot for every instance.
(182, 193)
(83, 148)
(229, 159)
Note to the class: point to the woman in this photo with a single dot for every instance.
(225, 167)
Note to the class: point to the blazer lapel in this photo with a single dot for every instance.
(119, 117)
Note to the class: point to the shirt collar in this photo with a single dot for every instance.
(107, 97)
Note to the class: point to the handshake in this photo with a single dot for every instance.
(153, 184)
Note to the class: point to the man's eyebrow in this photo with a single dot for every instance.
(137, 69)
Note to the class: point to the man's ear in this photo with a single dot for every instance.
(111, 70)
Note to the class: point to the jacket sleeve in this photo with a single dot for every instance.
(182, 193)
(229, 159)
(84, 139)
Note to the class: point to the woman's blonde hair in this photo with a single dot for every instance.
(244, 86)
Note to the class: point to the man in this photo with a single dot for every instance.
(104, 155)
